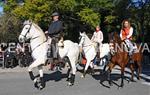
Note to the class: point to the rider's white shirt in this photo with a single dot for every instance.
(97, 37)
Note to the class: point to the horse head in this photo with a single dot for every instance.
(61, 42)
(81, 36)
(116, 44)
(25, 34)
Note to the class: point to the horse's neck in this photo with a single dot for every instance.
(87, 40)
(37, 37)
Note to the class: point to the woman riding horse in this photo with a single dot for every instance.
(121, 58)
(126, 35)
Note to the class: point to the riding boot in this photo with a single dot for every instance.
(98, 55)
(31, 75)
(42, 83)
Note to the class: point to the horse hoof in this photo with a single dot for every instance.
(70, 84)
(36, 83)
(121, 86)
(111, 84)
(67, 79)
(82, 76)
(41, 87)
(132, 80)
(138, 78)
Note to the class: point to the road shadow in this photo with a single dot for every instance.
(102, 78)
(55, 76)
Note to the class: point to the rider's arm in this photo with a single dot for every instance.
(101, 36)
(130, 33)
(121, 34)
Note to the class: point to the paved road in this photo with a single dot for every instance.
(16, 82)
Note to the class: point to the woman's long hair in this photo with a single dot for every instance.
(123, 22)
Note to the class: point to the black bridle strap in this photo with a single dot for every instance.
(28, 30)
(34, 38)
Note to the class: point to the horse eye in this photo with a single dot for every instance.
(26, 27)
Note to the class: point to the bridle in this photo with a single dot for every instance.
(28, 32)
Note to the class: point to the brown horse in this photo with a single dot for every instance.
(121, 58)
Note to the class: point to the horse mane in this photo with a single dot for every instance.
(37, 27)
(87, 36)
(117, 39)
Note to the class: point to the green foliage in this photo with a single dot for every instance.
(74, 13)
(9, 28)
(90, 17)
(66, 5)
(110, 18)
(36, 10)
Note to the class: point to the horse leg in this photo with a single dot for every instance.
(66, 59)
(42, 81)
(111, 66)
(132, 71)
(139, 70)
(104, 69)
(32, 77)
(92, 68)
(72, 78)
(36, 63)
(86, 67)
(122, 77)
(68, 74)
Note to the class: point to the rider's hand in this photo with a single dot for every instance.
(80, 49)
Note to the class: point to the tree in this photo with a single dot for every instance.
(74, 13)
(9, 28)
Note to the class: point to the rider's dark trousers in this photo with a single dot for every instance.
(54, 47)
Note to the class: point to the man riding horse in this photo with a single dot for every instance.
(55, 31)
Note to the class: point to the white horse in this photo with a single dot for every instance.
(39, 50)
(90, 51)
(69, 50)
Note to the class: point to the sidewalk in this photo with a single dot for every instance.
(18, 69)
